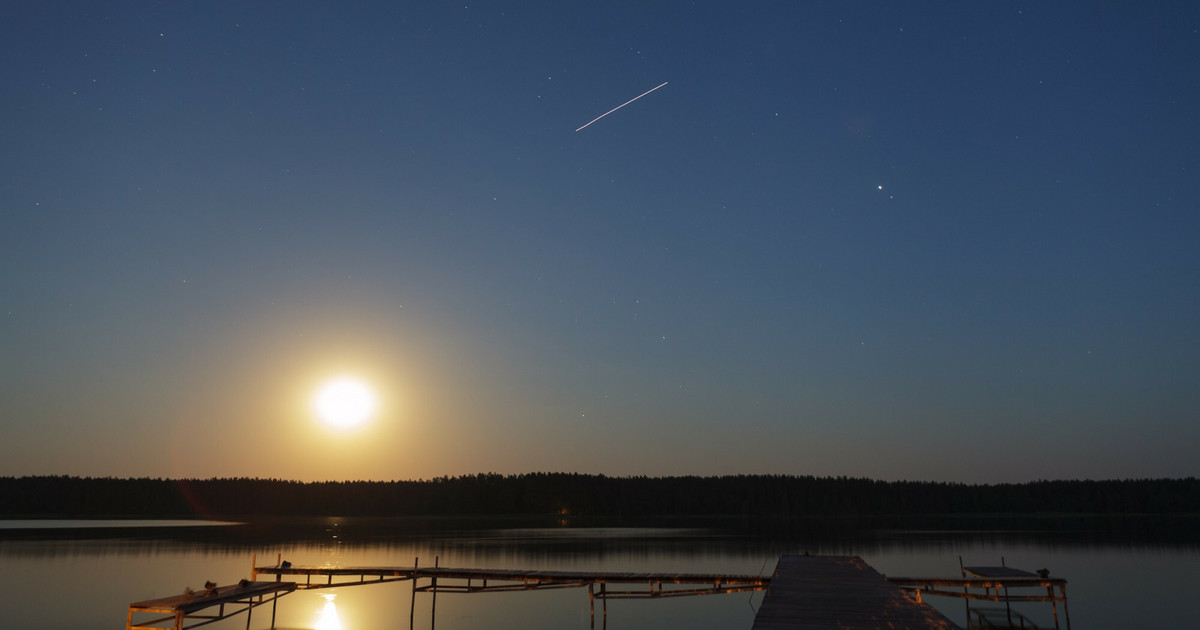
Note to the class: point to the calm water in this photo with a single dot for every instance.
(1122, 574)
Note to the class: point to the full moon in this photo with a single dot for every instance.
(344, 402)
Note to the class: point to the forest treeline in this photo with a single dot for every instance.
(583, 495)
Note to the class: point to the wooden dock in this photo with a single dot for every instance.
(611, 585)
(843, 592)
(993, 583)
(804, 593)
(189, 610)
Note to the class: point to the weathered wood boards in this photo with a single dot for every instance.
(998, 572)
(843, 592)
(474, 580)
(229, 600)
(993, 583)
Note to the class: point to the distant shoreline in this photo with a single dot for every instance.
(576, 495)
(7, 523)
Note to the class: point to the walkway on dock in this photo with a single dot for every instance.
(843, 592)
(189, 610)
(447, 579)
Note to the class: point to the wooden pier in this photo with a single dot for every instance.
(843, 592)
(604, 584)
(804, 593)
(189, 610)
(993, 583)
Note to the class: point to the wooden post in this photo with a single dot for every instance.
(604, 602)
(1007, 605)
(966, 602)
(433, 584)
(412, 608)
(1053, 604)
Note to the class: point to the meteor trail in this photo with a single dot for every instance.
(621, 105)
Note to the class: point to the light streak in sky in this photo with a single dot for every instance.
(621, 105)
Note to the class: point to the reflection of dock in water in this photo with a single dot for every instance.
(811, 592)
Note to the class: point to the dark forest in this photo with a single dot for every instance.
(583, 495)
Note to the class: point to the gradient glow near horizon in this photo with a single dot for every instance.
(944, 243)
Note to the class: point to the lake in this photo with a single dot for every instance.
(1122, 573)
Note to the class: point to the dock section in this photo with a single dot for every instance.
(804, 593)
(190, 610)
(843, 592)
(996, 584)
(603, 584)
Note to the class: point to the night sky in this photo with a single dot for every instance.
(939, 241)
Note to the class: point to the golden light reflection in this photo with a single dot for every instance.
(327, 617)
(344, 402)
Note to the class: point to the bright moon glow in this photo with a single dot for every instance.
(344, 403)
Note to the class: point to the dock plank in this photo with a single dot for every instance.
(191, 607)
(191, 602)
(842, 592)
(999, 572)
(517, 575)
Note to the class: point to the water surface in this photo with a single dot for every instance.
(1128, 573)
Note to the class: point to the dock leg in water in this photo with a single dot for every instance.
(412, 608)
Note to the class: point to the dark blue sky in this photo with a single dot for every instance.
(948, 241)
